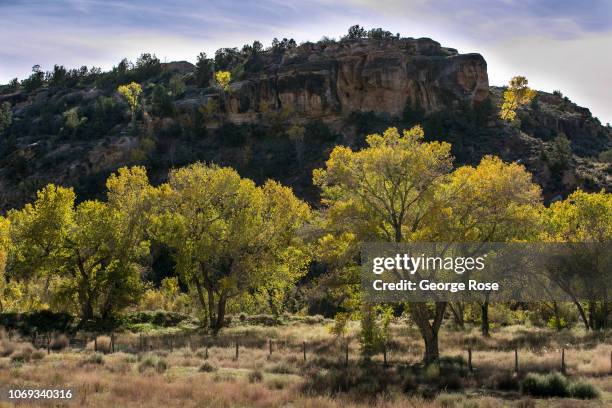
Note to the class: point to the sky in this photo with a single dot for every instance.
(561, 45)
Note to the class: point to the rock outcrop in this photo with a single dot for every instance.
(381, 76)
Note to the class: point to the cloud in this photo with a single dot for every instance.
(558, 44)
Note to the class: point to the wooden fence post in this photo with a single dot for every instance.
(516, 361)
(49, 343)
(470, 368)
(385, 355)
(563, 361)
(236, 349)
(270, 346)
(346, 355)
(112, 337)
(140, 345)
(304, 349)
(95, 343)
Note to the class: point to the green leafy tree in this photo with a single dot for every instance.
(6, 117)
(384, 193)
(176, 86)
(492, 202)
(356, 32)
(583, 217)
(204, 70)
(229, 236)
(401, 189)
(87, 253)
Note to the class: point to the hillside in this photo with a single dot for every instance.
(284, 110)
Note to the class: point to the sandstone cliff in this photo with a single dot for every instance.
(367, 75)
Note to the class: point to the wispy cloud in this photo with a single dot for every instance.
(559, 44)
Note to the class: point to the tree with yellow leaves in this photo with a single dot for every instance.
(516, 95)
(230, 237)
(223, 79)
(401, 189)
(585, 218)
(131, 92)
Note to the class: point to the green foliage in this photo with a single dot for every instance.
(559, 153)
(6, 117)
(147, 66)
(204, 70)
(176, 86)
(356, 32)
(161, 102)
(606, 156)
(375, 332)
(228, 235)
(553, 385)
(34, 81)
(556, 385)
(90, 251)
(584, 390)
(151, 362)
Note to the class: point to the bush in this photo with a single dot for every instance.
(95, 358)
(7, 347)
(23, 353)
(152, 362)
(38, 355)
(207, 368)
(255, 376)
(583, 390)
(550, 385)
(103, 344)
(59, 343)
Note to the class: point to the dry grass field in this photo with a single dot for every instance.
(197, 377)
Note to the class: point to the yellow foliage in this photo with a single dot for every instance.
(131, 92)
(517, 95)
(223, 79)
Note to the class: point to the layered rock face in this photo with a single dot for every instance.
(380, 76)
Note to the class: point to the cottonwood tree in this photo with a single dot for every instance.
(492, 202)
(386, 192)
(89, 253)
(401, 189)
(583, 218)
(228, 235)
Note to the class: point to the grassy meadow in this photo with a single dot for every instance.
(196, 376)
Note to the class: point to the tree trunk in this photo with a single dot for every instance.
(211, 308)
(429, 331)
(432, 353)
(220, 313)
(583, 316)
(484, 307)
(458, 314)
